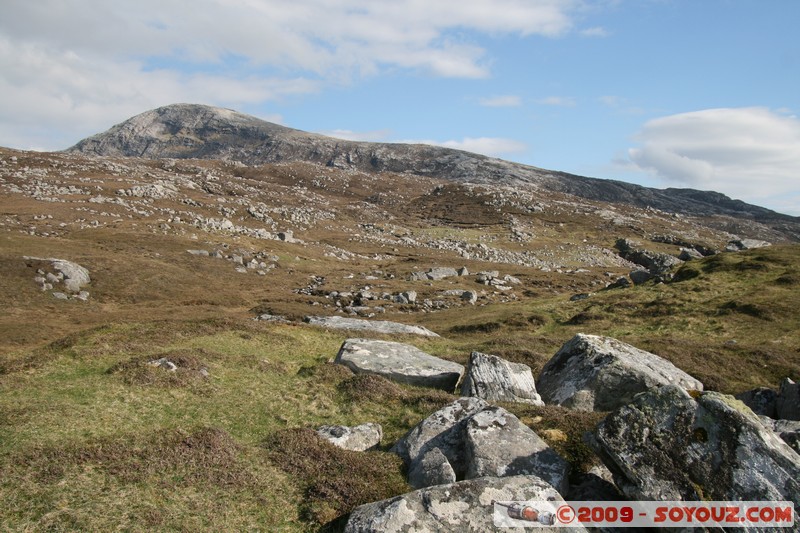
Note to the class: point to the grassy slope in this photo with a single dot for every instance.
(93, 439)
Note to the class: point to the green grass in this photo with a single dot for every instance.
(92, 438)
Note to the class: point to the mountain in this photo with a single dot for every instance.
(195, 131)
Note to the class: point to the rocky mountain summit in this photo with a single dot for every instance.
(197, 131)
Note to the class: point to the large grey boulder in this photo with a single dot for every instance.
(470, 439)
(465, 506)
(657, 264)
(495, 379)
(788, 430)
(670, 445)
(443, 431)
(377, 326)
(497, 444)
(762, 401)
(399, 362)
(593, 373)
(788, 404)
(357, 438)
(434, 274)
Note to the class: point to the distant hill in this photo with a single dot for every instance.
(197, 131)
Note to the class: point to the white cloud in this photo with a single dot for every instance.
(74, 61)
(508, 100)
(559, 101)
(748, 153)
(491, 146)
(360, 136)
(597, 31)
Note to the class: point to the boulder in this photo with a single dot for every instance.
(470, 297)
(444, 430)
(431, 468)
(671, 445)
(593, 373)
(434, 274)
(73, 275)
(357, 438)
(399, 362)
(377, 326)
(470, 439)
(788, 404)
(465, 506)
(497, 444)
(639, 276)
(762, 401)
(788, 430)
(495, 379)
(745, 244)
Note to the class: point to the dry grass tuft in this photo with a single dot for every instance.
(334, 481)
(191, 371)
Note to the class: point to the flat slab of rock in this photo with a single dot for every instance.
(465, 506)
(378, 326)
(357, 438)
(399, 362)
(593, 373)
(495, 379)
(670, 445)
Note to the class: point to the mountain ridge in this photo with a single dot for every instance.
(184, 131)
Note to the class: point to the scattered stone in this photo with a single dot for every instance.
(60, 296)
(762, 401)
(399, 362)
(357, 438)
(377, 326)
(620, 283)
(457, 507)
(668, 444)
(463, 271)
(202, 253)
(470, 297)
(579, 297)
(689, 254)
(164, 363)
(788, 404)
(497, 444)
(495, 379)
(593, 373)
(279, 319)
(639, 276)
(745, 244)
(435, 274)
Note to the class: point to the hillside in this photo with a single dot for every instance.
(188, 233)
(195, 131)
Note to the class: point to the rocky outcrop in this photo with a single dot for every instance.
(465, 506)
(357, 438)
(788, 430)
(399, 362)
(671, 445)
(55, 273)
(434, 274)
(470, 439)
(656, 264)
(495, 379)
(377, 326)
(593, 373)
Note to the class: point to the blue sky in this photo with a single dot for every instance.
(665, 93)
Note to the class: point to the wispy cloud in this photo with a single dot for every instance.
(491, 146)
(559, 101)
(597, 31)
(367, 136)
(502, 101)
(750, 153)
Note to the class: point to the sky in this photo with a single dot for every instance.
(703, 94)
